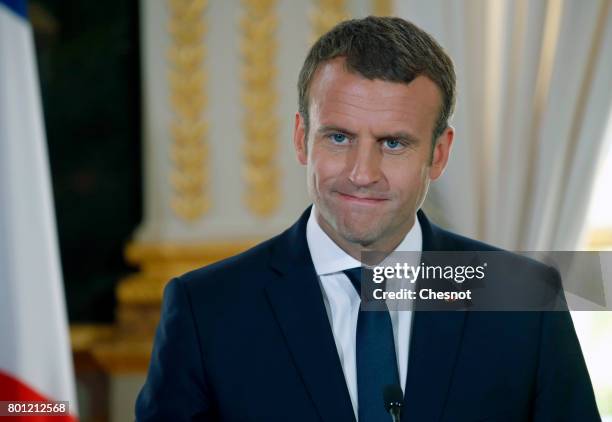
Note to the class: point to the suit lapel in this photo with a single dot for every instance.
(434, 345)
(436, 336)
(297, 301)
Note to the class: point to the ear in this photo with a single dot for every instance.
(299, 139)
(441, 153)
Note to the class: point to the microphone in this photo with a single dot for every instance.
(394, 401)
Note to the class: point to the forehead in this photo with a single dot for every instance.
(341, 97)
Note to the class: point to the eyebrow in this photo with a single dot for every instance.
(391, 135)
(332, 128)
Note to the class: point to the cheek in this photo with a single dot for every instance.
(408, 178)
(325, 167)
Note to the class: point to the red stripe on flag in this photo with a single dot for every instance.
(11, 389)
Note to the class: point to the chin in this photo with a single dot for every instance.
(360, 235)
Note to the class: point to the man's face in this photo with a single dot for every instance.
(368, 153)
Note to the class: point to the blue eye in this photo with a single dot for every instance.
(339, 138)
(393, 143)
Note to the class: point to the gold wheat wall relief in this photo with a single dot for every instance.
(187, 82)
(260, 124)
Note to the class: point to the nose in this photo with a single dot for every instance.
(364, 163)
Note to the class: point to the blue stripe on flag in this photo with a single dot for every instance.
(20, 7)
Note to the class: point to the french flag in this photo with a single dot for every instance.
(35, 356)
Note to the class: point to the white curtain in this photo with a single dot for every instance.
(534, 82)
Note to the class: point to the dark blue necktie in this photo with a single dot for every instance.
(375, 355)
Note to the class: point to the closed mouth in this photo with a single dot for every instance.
(361, 199)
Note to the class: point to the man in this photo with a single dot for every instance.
(277, 333)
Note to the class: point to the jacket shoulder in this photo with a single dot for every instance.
(457, 242)
(242, 270)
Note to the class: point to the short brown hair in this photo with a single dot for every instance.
(387, 48)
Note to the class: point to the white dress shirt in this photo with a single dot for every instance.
(342, 300)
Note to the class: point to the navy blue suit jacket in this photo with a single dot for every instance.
(248, 339)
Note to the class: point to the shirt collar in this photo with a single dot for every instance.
(329, 258)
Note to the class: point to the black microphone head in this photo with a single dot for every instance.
(393, 397)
